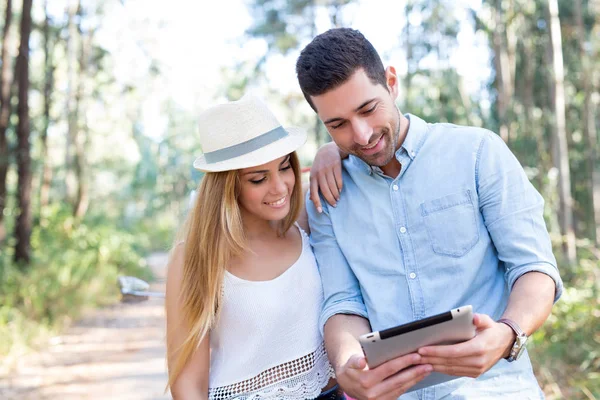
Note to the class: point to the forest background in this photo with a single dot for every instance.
(98, 107)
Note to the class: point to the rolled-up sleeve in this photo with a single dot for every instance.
(513, 212)
(340, 287)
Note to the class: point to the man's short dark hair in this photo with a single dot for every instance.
(332, 57)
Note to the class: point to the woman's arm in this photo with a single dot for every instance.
(303, 216)
(326, 175)
(192, 382)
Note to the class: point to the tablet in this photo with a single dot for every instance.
(450, 327)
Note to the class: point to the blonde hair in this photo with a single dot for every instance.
(213, 233)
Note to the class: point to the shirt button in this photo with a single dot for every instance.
(413, 154)
(403, 230)
(413, 275)
(395, 187)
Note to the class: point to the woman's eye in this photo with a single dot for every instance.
(257, 181)
(286, 167)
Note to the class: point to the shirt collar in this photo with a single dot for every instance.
(414, 137)
(413, 141)
(360, 164)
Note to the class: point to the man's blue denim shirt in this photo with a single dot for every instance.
(459, 225)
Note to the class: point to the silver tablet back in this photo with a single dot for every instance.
(385, 345)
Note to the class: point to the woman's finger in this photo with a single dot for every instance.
(314, 193)
(331, 181)
(325, 190)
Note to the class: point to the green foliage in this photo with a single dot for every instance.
(280, 24)
(433, 89)
(156, 233)
(566, 350)
(140, 182)
(75, 266)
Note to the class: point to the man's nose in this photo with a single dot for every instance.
(362, 131)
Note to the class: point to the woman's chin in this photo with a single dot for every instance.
(276, 214)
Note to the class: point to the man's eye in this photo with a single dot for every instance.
(336, 126)
(370, 110)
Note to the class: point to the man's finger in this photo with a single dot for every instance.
(482, 321)
(357, 362)
(404, 380)
(395, 365)
(455, 370)
(459, 361)
(464, 349)
(440, 360)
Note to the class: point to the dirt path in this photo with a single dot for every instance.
(116, 352)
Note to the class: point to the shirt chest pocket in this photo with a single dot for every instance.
(451, 223)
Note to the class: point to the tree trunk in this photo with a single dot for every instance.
(510, 29)
(464, 98)
(80, 138)
(502, 66)
(409, 56)
(589, 123)
(528, 78)
(5, 85)
(335, 9)
(319, 140)
(48, 84)
(23, 222)
(70, 179)
(533, 124)
(559, 130)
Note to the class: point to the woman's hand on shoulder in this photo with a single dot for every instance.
(326, 175)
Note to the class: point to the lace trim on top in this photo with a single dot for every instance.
(302, 378)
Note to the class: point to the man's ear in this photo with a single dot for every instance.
(392, 81)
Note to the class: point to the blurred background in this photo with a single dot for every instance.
(98, 107)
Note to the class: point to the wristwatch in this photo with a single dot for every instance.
(519, 344)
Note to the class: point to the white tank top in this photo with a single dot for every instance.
(266, 343)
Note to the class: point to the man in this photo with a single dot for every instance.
(433, 217)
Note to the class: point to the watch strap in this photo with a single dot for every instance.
(516, 348)
(513, 325)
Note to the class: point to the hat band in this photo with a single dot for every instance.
(246, 147)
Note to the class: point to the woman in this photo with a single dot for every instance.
(243, 291)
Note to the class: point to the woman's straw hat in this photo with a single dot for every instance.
(242, 134)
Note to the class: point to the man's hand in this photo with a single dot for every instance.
(473, 357)
(387, 381)
(326, 175)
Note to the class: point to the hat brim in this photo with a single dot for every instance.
(270, 152)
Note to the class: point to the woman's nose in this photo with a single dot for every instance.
(278, 185)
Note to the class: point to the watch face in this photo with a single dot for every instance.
(519, 346)
(519, 352)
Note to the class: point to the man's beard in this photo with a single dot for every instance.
(386, 154)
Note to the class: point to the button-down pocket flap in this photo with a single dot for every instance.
(451, 223)
(448, 201)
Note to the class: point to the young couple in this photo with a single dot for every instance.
(431, 217)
